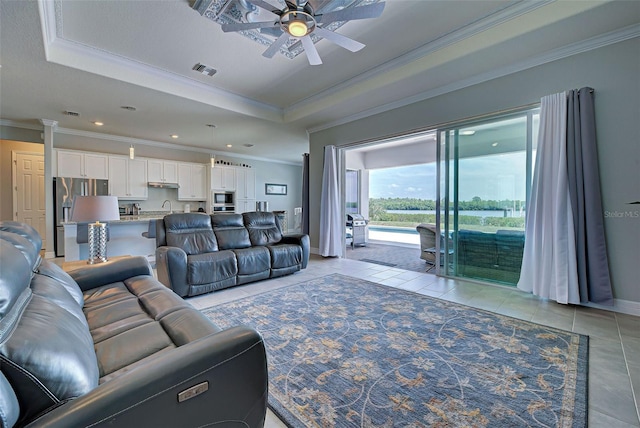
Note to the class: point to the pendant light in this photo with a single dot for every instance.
(212, 158)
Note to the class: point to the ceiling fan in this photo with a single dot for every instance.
(299, 20)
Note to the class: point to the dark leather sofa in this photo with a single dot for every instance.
(108, 345)
(198, 253)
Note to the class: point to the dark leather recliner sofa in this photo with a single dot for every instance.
(198, 253)
(108, 345)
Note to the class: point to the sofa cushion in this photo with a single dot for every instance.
(193, 233)
(211, 267)
(14, 282)
(52, 270)
(24, 230)
(230, 231)
(55, 292)
(138, 310)
(263, 228)
(29, 251)
(253, 260)
(285, 255)
(9, 407)
(49, 357)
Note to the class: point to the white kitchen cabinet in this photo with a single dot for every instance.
(223, 178)
(245, 190)
(192, 178)
(245, 184)
(128, 178)
(161, 171)
(245, 205)
(78, 164)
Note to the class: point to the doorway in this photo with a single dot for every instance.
(406, 166)
(29, 191)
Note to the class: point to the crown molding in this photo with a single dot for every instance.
(498, 18)
(596, 42)
(21, 125)
(170, 146)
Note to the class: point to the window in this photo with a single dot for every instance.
(484, 174)
(352, 188)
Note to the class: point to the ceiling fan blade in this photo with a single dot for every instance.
(273, 32)
(264, 5)
(271, 51)
(311, 51)
(339, 39)
(351, 13)
(241, 26)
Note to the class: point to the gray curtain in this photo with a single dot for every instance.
(584, 190)
(305, 193)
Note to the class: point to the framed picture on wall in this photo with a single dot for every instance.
(275, 189)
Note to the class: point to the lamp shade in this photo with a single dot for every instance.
(95, 208)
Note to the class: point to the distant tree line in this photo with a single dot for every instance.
(475, 204)
(378, 212)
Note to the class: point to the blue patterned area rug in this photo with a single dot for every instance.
(344, 352)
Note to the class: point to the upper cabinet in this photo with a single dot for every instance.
(223, 178)
(245, 183)
(82, 165)
(161, 171)
(192, 178)
(128, 178)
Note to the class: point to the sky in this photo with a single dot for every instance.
(496, 177)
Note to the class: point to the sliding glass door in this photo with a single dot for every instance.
(485, 170)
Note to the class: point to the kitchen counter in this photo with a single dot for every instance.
(125, 238)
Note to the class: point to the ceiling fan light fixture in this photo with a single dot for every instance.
(297, 28)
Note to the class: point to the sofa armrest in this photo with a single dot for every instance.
(231, 364)
(93, 276)
(171, 265)
(299, 239)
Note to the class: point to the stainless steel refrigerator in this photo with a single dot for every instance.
(64, 190)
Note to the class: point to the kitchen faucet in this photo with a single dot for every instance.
(170, 209)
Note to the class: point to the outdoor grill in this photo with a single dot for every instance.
(357, 224)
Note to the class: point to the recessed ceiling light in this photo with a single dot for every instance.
(229, 145)
(467, 132)
(98, 123)
(174, 136)
(494, 144)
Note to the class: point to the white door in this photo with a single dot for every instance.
(29, 191)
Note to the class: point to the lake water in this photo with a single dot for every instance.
(479, 213)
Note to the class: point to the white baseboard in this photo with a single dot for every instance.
(628, 307)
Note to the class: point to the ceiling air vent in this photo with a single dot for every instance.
(72, 113)
(203, 69)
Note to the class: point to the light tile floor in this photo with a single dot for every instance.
(614, 344)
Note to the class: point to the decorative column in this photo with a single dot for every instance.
(49, 127)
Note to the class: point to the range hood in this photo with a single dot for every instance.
(163, 184)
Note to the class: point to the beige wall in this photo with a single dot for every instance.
(612, 71)
(6, 194)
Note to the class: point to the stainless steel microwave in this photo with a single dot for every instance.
(223, 198)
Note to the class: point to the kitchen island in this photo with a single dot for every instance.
(125, 238)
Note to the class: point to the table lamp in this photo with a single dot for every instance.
(95, 209)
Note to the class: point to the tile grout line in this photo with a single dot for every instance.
(626, 365)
